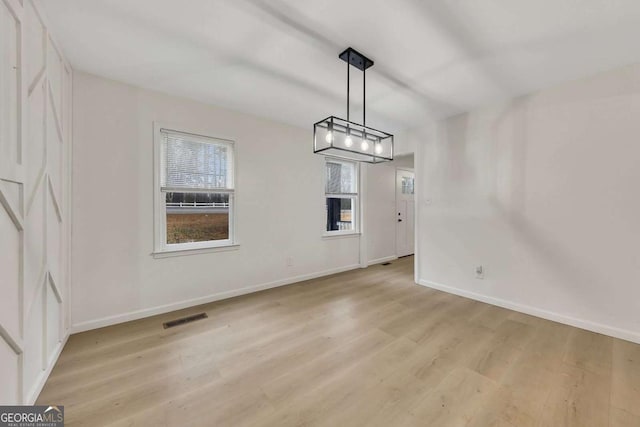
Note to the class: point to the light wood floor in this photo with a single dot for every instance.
(366, 347)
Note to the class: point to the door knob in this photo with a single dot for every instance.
(399, 220)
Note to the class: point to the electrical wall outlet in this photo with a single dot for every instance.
(289, 262)
(479, 272)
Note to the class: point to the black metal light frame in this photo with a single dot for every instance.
(334, 125)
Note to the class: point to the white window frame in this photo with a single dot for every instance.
(355, 216)
(161, 247)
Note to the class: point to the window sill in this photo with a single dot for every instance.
(330, 236)
(194, 251)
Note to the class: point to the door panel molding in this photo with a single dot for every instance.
(41, 282)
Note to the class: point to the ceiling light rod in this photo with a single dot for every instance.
(345, 139)
(361, 62)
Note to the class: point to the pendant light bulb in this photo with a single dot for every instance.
(348, 142)
(329, 137)
(378, 148)
(364, 145)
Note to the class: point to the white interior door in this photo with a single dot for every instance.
(405, 220)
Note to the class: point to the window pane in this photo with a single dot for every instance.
(192, 163)
(340, 214)
(197, 217)
(407, 185)
(341, 177)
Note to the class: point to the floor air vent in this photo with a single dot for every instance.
(386, 263)
(184, 320)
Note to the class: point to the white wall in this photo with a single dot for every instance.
(35, 123)
(542, 191)
(405, 142)
(280, 206)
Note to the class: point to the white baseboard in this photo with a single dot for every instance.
(32, 395)
(600, 328)
(381, 260)
(152, 311)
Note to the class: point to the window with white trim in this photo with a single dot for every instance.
(341, 196)
(195, 191)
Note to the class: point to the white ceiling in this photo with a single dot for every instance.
(278, 58)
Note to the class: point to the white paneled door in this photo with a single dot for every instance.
(35, 89)
(405, 218)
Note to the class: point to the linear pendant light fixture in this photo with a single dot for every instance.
(345, 139)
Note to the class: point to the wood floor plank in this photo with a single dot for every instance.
(581, 398)
(385, 404)
(317, 404)
(454, 401)
(621, 418)
(366, 347)
(625, 386)
(323, 369)
(590, 351)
